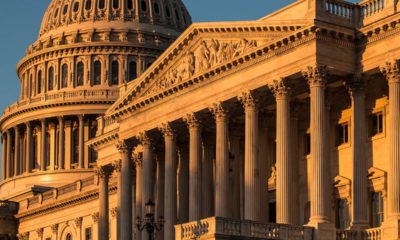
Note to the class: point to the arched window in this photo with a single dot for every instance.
(56, 13)
(156, 8)
(51, 79)
(64, 75)
(88, 4)
(32, 85)
(35, 152)
(115, 4)
(47, 140)
(75, 146)
(39, 82)
(144, 6)
(76, 6)
(80, 71)
(132, 71)
(114, 73)
(167, 11)
(97, 73)
(65, 10)
(68, 237)
(102, 4)
(178, 17)
(130, 4)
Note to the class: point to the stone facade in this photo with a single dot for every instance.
(286, 127)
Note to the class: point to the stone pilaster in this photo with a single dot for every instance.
(359, 186)
(54, 230)
(170, 197)
(103, 222)
(252, 194)
(194, 126)
(125, 187)
(61, 143)
(17, 151)
(28, 149)
(81, 143)
(222, 160)
(283, 164)
(43, 145)
(316, 77)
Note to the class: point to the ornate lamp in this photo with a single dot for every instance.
(149, 223)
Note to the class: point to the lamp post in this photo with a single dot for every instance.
(149, 223)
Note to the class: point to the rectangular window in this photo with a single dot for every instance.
(376, 124)
(342, 134)
(377, 209)
(88, 233)
(343, 214)
(308, 144)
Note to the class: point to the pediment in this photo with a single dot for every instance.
(200, 48)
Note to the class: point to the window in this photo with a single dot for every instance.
(144, 6)
(342, 214)
(308, 144)
(88, 234)
(272, 212)
(75, 146)
(115, 4)
(97, 73)
(102, 4)
(65, 10)
(39, 82)
(47, 140)
(32, 85)
(167, 11)
(76, 6)
(377, 209)
(68, 237)
(51, 78)
(177, 15)
(56, 13)
(80, 71)
(88, 4)
(130, 4)
(156, 8)
(64, 76)
(343, 134)
(35, 152)
(132, 71)
(114, 73)
(376, 124)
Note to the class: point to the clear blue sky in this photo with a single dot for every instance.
(20, 22)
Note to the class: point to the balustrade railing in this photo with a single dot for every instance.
(339, 8)
(228, 228)
(371, 7)
(346, 235)
(373, 234)
(368, 234)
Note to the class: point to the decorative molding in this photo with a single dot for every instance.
(391, 70)
(342, 188)
(167, 130)
(114, 212)
(219, 110)
(78, 222)
(248, 99)
(377, 181)
(316, 76)
(54, 229)
(192, 121)
(280, 89)
(95, 217)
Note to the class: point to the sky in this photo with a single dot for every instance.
(20, 21)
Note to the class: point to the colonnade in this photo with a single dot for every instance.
(43, 145)
(320, 189)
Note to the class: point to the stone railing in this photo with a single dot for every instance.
(346, 235)
(227, 228)
(371, 7)
(80, 95)
(373, 234)
(339, 8)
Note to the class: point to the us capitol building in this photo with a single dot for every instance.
(283, 128)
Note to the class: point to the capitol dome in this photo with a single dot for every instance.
(86, 54)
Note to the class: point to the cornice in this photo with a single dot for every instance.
(105, 138)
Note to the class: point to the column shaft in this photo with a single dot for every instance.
(61, 143)
(81, 142)
(43, 146)
(208, 178)
(3, 157)
(28, 156)
(103, 229)
(17, 163)
(139, 186)
(9, 149)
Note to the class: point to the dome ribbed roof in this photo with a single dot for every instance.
(77, 15)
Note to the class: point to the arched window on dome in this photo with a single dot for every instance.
(178, 17)
(32, 89)
(143, 5)
(56, 13)
(130, 4)
(80, 72)
(39, 82)
(48, 147)
(68, 237)
(102, 4)
(115, 4)
(156, 8)
(167, 11)
(75, 146)
(76, 6)
(35, 152)
(97, 73)
(114, 73)
(65, 9)
(64, 76)
(51, 79)
(88, 5)
(132, 71)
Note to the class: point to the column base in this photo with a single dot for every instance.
(323, 230)
(391, 229)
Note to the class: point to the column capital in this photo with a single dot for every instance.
(60, 118)
(219, 110)
(137, 159)
(248, 99)
(124, 146)
(16, 129)
(78, 222)
(117, 165)
(355, 86)
(114, 212)
(192, 120)
(391, 70)
(280, 88)
(39, 232)
(103, 172)
(144, 138)
(80, 117)
(28, 124)
(54, 228)
(167, 130)
(316, 76)
(95, 217)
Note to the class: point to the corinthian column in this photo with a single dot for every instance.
(283, 143)
(103, 229)
(252, 194)
(17, 163)
(359, 184)
(28, 154)
(43, 146)
(170, 204)
(61, 143)
(125, 188)
(3, 157)
(194, 167)
(222, 160)
(8, 162)
(81, 142)
(392, 73)
(316, 77)
(138, 161)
